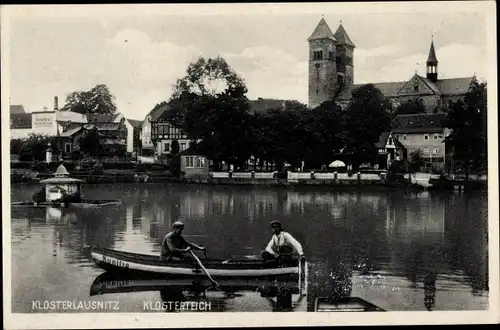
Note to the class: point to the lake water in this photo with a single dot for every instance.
(402, 251)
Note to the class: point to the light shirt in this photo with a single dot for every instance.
(283, 239)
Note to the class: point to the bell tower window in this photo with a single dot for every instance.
(318, 55)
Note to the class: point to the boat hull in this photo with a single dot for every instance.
(118, 261)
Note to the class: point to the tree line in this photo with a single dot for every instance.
(209, 103)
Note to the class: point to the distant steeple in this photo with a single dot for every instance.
(432, 59)
(322, 31)
(432, 63)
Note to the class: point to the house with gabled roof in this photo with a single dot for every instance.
(424, 133)
(389, 149)
(331, 75)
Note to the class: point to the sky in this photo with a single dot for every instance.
(140, 51)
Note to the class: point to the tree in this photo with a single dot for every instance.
(211, 105)
(467, 121)
(327, 134)
(211, 77)
(35, 147)
(97, 100)
(413, 106)
(90, 143)
(365, 119)
(416, 160)
(16, 146)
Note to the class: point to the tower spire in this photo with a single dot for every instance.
(432, 59)
(322, 31)
(432, 63)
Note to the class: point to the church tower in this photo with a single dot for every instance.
(322, 65)
(345, 57)
(432, 64)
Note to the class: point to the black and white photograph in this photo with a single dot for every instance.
(333, 163)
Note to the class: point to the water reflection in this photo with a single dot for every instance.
(280, 294)
(401, 251)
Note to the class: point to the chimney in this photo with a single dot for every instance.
(56, 105)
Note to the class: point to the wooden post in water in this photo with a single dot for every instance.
(300, 276)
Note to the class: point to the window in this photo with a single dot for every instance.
(190, 162)
(166, 147)
(67, 147)
(318, 55)
(435, 151)
(390, 141)
(331, 55)
(436, 136)
(426, 137)
(397, 136)
(404, 136)
(426, 151)
(200, 162)
(317, 66)
(183, 146)
(415, 88)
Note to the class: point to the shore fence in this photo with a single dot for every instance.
(296, 176)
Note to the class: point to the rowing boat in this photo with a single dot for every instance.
(120, 261)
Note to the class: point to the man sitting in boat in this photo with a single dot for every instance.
(175, 248)
(282, 245)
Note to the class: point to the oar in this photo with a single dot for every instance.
(203, 268)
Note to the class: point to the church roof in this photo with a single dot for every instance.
(454, 86)
(446, 87)
(431, 85)
(432, 59)
(389, 89)
(322, 31)
(342, 37)
(261, 105)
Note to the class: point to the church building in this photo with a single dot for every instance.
(331, 75)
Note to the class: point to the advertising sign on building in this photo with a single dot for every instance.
(43, 120)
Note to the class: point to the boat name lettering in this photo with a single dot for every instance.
(115, 262)
(113, 284)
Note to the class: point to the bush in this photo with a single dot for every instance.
(97, 169)
(40, 167)
(76, 155)
(16, 146)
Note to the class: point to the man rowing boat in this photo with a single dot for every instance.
(175, 248)
(282, 245)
